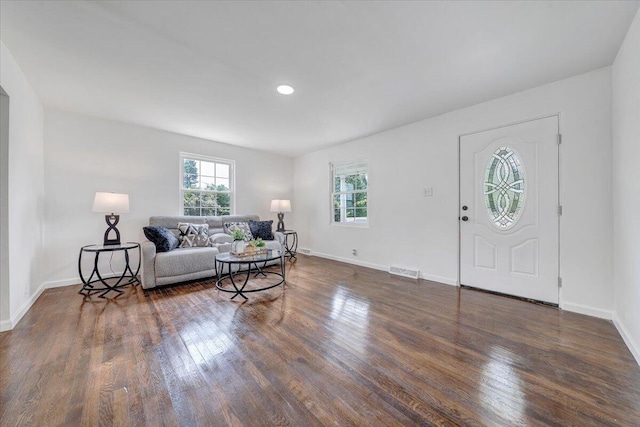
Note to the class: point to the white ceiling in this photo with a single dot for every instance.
(209, 69)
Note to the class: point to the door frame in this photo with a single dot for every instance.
(460, 136)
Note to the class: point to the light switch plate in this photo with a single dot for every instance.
(427, 192)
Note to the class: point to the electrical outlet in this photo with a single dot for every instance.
(427, 192)
(354, 252)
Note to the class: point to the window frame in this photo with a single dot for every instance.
(199, 157)
(332, 175)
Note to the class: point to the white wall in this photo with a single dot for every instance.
(25, 188)
(5, 312)
(626, 188)
(85, 154)
(409, 230)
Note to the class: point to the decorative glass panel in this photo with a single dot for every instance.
(504, 187)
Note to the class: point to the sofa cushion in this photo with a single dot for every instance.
(261, 229)
(193, 235)
(218, 238)
(229, 228)
(216, 223)
(162, 237)
(185, 261)
(171, 222)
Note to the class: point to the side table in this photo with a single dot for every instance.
(128, 277)
(290, 244)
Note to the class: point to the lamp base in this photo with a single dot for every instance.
(280, 222)
(111, 242)
(112, 220)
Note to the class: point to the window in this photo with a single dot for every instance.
(504, 187)
(350, 184)
(206, 186)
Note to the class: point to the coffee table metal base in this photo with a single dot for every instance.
(258, 270)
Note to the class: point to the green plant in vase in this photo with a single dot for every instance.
(238, 245)
(238, 234)
(257, 243)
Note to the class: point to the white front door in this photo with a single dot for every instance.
(509, 210)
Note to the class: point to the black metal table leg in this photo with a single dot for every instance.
(239, 291)
(291, 248)
(128, 276)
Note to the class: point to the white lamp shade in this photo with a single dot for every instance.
(281, 206)
(111, 203)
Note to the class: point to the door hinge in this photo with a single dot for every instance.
(559, 139)
(559, 282)
(559, 209)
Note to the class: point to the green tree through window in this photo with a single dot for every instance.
(207, 186)
(350, 192)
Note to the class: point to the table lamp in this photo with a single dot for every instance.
(280, 206)
(112, 204)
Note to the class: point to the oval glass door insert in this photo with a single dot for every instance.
(504, 187)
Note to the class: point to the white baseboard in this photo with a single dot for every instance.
(350, 261)
(634, 348)
(7, 325)
(585, 309)
(74, 281)
(439, 279)
(432, 278)
(61, 283)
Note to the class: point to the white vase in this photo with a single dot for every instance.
(238, 246)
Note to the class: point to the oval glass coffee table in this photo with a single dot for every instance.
(254, 265)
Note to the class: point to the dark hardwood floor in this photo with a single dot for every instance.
(342, 345)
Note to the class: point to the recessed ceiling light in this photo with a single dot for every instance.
(285, 89)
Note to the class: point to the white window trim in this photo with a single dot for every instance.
(232, 178)
(332, 166)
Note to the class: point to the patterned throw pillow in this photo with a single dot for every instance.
(261, 229)
(229, 227)
(192, 235)
(162, 237)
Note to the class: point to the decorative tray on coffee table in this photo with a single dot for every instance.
(246, 253)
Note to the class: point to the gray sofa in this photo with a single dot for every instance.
(184, 264)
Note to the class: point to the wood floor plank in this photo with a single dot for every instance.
(341, 345)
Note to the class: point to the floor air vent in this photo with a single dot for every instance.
(404, 272)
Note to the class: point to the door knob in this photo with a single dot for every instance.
(464, 208)
(465, 218)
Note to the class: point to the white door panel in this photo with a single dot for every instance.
(509, 187)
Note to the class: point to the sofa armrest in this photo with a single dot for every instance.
(279, 237)
(148, 264)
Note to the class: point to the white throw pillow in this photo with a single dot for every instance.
(193, 235)
(229, 227)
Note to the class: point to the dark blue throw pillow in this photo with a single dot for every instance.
(261, 229)
(162, 237)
